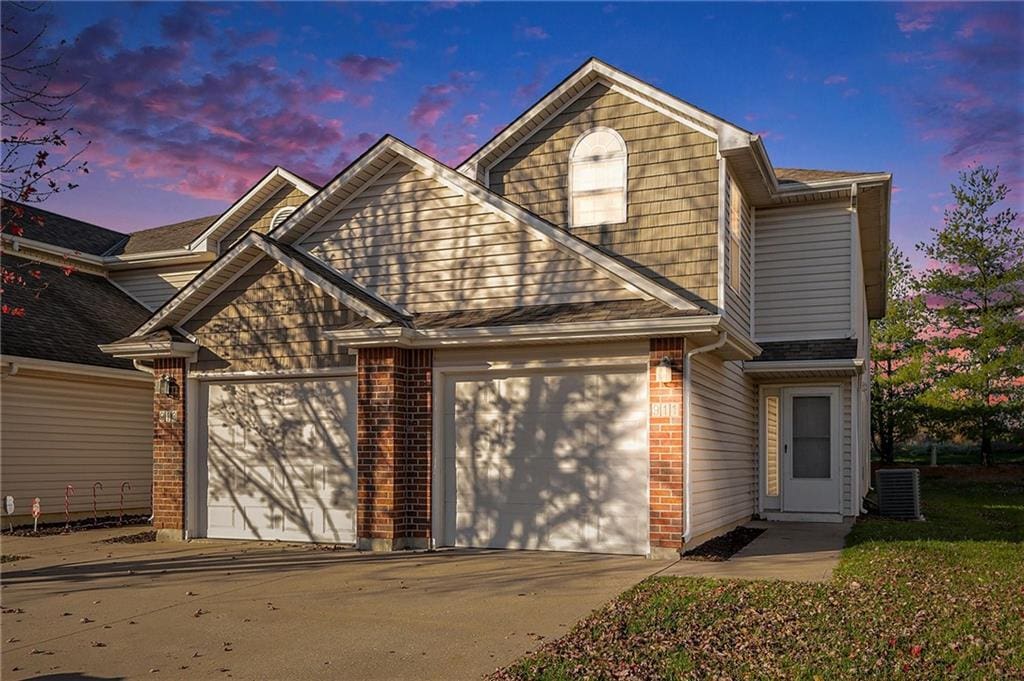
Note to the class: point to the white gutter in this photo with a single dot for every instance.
(524, 333)
(31, 363)
(171, 257)
(687, 387)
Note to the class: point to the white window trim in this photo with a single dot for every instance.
(625, 178)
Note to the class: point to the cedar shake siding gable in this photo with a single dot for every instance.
(671, 230)
(423, 245)
(269, 319)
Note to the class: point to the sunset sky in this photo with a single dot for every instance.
(187, 105)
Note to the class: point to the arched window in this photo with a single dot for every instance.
(280, 216)
(597, 179)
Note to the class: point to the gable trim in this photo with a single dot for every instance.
(201, 241)
(257, 241)
(624, 84)
(348, 199)
(622, 274)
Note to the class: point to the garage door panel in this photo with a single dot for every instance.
(558, 462)
(281, 460)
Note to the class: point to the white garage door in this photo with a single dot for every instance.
(281, 460)
(552, 461)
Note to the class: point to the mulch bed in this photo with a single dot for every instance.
(723, 548)
(137, 538)
(10, 558)
(49, 529)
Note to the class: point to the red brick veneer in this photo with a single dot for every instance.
(169, 447)
(666, 445)
(394, 439)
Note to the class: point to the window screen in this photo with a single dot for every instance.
(812, 441)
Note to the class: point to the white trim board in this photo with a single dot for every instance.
(252, 240)
(627, 85)
(277, 172)
(72, 368)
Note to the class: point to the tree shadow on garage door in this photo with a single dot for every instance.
(550, 461)
(281, 460)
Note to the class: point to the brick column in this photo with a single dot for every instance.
(666, 448)
(394, 437)
(169, 450)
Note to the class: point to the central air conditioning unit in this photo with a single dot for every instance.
(899, 493)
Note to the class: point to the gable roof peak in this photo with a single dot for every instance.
(591, 72)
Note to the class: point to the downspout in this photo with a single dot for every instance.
(142, 367)
(687, 386)
(149, 370)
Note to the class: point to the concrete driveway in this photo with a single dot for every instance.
(78, 609)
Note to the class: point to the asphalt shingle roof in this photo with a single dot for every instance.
(59, 230)
(66, 316)
(165, 237)
(786, 351)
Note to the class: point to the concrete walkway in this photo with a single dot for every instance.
(249, 610)
(793, 552)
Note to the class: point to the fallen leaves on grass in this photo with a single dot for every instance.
(932, 600)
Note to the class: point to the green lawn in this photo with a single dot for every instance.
(938, 599)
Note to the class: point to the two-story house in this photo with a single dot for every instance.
(614, 328)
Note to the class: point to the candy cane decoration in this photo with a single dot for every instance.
(69, 492)
(120, 519)
(95, 520)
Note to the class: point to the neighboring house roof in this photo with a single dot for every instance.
(69, 318)
(164, 237)
(805, 175)
(788, 351)
(60, 230)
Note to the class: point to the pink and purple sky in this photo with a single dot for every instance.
(188, 104)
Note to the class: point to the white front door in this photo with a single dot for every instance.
(281, 460)
(810, 450)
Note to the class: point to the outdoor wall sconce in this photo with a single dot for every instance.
(166, 385)
(663, 373)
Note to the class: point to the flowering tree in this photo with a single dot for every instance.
(975, 293)
(37, 160)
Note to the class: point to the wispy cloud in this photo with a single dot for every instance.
(836, 79)
(437, 99)
(364, 68)
(959, 97)
(527, 32)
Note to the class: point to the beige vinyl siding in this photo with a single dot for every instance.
(723, 444)
(671, 229)
(154, 286)
(260, 219)
(269, 318)
(420, 244)
(737, 302)
(802, 272)
(62, 429)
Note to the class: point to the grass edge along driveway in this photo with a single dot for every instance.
(938, 599)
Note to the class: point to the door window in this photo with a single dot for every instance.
(812, 443)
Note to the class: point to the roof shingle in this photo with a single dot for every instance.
(68, 318)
